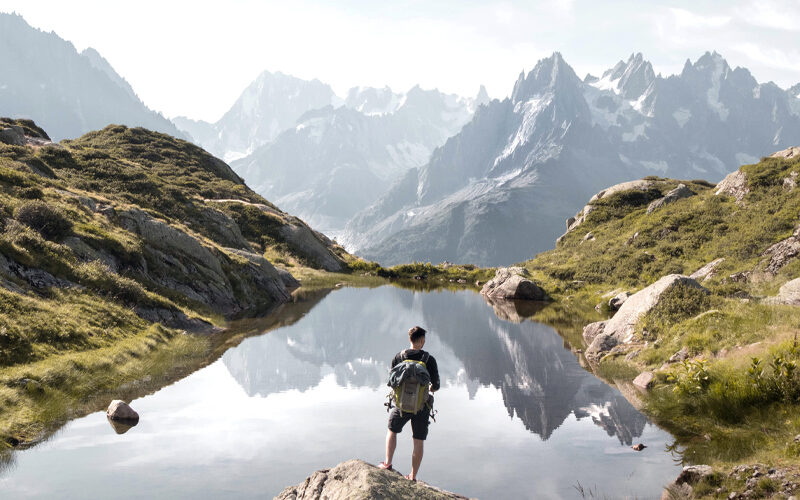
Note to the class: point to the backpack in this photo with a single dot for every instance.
(410, 381)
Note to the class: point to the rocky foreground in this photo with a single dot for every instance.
(356, 479)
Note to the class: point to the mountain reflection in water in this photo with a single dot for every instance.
(541, 381)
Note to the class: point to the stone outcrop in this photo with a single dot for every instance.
(782, 252)
(511, 283)
(735, 185)
(300, 238)
(358, 480)
(787, 154)
(708, 271)
(177, 260)
(674, 195)
(603, 336)
(120, 410)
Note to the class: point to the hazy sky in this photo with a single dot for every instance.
(194, 57)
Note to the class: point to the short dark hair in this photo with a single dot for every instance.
(416, 333)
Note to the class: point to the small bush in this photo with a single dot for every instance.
(47, 220)
(31, 193)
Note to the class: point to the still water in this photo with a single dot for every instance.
(518, 416)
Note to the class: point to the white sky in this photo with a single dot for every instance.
(194, 57)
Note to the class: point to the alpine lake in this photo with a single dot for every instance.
(518, 416)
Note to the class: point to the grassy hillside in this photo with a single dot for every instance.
(113, 244)
(735, 396)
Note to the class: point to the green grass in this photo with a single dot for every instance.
(37, 397)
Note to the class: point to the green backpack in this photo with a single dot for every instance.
(410, 382)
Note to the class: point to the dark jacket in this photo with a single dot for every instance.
(419, 355)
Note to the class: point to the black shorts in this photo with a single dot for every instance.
(419, 420)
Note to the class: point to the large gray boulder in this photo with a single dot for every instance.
(358, 480)
(602, 336)
(674, 195)
(510, 283)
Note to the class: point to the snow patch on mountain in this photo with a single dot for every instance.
(682, 116)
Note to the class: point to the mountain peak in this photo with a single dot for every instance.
(549, 74)
(482, 97)
(795, 91)
(629, 78)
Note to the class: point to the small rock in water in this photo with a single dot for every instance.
(638, 447)
(120, 410)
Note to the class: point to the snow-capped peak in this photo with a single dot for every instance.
(628, 79)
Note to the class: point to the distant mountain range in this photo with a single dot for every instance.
(267, 107)
(68, 93)
(499, 191)
(337, 160)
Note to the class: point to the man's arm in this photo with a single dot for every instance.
(433, 369)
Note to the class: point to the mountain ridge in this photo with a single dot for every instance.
(559, 139)
(68, 93)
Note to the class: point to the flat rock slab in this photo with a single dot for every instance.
(644, 381)
(603, 336)
(358, 480)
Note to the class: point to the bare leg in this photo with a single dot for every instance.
(416, 457)
(391, 444)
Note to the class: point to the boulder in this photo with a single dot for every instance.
(644, 381)
(619, 329)
(511, 283)
(358, 480)
(782, 252)
(676, 194)
(735, 185)
(708, 271)
(681, 488)
(120, 410)
(691, 474)
(788, 294)
(13, 135)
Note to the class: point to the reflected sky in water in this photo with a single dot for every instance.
(518, 416)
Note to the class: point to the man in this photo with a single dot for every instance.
(419, 420)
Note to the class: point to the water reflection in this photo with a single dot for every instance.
(354, 339)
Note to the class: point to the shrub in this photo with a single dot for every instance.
(30, 193)
(46, 219)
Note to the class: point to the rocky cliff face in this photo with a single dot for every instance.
(498, 192)
(45, 79)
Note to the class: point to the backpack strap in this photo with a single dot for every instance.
(427, 357)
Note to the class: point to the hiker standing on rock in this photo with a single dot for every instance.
(413, 374)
